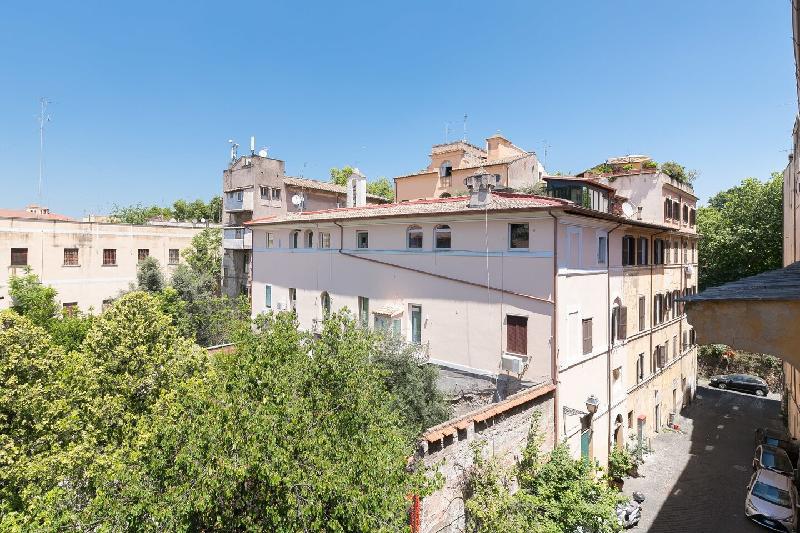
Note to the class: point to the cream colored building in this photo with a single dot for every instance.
(88, 263)
(451, 163)
(527, 289)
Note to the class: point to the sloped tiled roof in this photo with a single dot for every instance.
(780, 284)
(323, 186)
(454, 205)
(22, 213)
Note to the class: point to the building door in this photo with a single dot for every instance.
(657, 419)
(675, 400)
(586, 443)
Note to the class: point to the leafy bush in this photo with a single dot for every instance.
(650, 164)
(148, 275)
(678, 172)
(716, 359)
(603, 168)
(621, 463)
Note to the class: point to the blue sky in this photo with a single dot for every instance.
(145, 95)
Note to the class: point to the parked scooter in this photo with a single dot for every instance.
(629, 514)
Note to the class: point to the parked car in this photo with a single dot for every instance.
(778, 439)
(771, 501)
(741, 382)
(775, 459)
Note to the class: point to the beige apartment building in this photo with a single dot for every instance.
(255, 186)
(88, 263)
(451, 163)
(576, 289)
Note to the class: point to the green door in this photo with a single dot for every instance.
(586, 439)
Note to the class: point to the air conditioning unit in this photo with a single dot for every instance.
(689, 270)
(512, 363)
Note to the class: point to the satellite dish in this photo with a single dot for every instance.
(297, 200)
(628, 209)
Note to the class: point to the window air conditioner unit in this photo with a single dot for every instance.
(512, 363)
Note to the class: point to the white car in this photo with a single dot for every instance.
(771, 501)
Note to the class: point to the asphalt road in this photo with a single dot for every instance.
(695, 481)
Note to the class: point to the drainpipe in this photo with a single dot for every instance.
(554, 331)
(608, 315)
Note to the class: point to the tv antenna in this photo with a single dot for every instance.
(447, 132)
(547, 147)
(43, 118)
(465, 128)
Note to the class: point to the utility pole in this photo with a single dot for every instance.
(43, 119)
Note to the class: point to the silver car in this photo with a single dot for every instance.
(771, 501)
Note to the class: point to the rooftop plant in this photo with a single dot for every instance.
(678, 172)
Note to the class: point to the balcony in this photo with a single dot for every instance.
(238, 201)
(237, 239)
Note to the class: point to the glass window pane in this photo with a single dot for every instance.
(518, 236)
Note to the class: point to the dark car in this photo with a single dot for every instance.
(778, 439)
(741, 382)
(775, 459)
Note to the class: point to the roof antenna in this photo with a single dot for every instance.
(43, 119)
(547, 146)
(447, 132)
(465, 127)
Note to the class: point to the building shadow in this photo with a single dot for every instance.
(713, 468)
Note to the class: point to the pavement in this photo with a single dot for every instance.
(695, 480)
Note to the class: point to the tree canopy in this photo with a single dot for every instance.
(379, 187)
(181, 211)
(742, 230)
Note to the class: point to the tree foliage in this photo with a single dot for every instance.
(29, 297)
(339, 176)
(379, 187)
(555, 494)
(678, 172)
(742, 230)
(204, 254)
(181, 211)
(149, 276)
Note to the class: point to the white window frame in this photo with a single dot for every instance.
(268, 300)
(508, 237)
(602, 245)
(416, 229)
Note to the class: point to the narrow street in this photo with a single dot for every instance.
(696, 480)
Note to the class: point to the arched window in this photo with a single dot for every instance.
(295, 238)
(414, 234)
(445, 169)
(309, 239)
(325, 303)
(441, 237)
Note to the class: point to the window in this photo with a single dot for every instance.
(142, 254)
(692, 217)
(666, 350)
(517, 334)
(685, 214)
(446, 181)
(676, 210)
(324, 240)
(325, 303)
(518, 236)
(630, 419)
(294, 239)
(109, 257)
(106, 304)
(19, 256)
(270, 240)
(628, 250)
(442, 236)
(602, 242)
(264, 192)
(658, 252)
(642, 313)
(619, 323)
(71, 257)
(586, 328)
(387, 324)
(276, 194)
(363, 311)
(239, 195)
(445, 170)
(692, 337)
(667, 209)
(416, 324)
(69, 308)
(414, 237)
(268, 296)
(667, 252)
(362, 239)
(675, 247)
(641, 251)
(640, 368)
(309, 239)
(292, 299)
(658, 310)
(674, 346)
(685, 253)
(174, 256)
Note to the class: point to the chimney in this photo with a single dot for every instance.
(356, 189)
(480, 188)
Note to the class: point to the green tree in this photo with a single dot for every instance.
(742, 230)
(288, 433)
(556, 493)
(204, 253)
(215, 210)
(149, 276)
(30, 298)
(381, 187)
(339, 176)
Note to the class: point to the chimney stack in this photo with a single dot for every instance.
(356, 189)
(480, 188)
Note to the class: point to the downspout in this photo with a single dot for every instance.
(608, 315)
(554, 330)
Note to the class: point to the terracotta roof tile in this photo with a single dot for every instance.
(323, 186)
